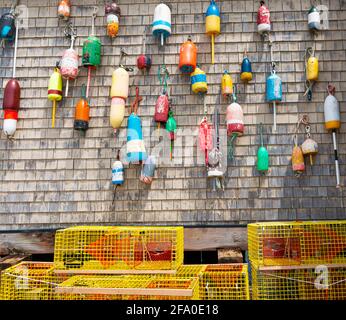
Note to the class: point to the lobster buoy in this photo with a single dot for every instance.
(162, 22)
(262, 155)
(235, 119)
(226, 84)
(274, 88)
(263, 19)
(212, 24)
(205, 138)
(331, 110)
(274, 91)
(332, 122)
(143, 62)
(112, 11)
(314, 19)
(117, 173)
(120, 83)
(7, 26)
(55, 91)
(12, 95)
(298, 164)
(81, 118)
(148, 170)
(171, 127)
(117, 113)
(91, 52)
(11, 98)
(310, 148)
(199, 81)
(246, 71)
(235, 124)
(135, 144)
(69, 64)
(64, 9)
(188, 56)
(312, 69)
(161, 108)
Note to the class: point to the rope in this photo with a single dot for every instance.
(32, 279)
(305, 121)
(163, 75)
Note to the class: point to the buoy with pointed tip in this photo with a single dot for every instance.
(246, 70)
(162, 22)
(64, 9)
(212, 25)
(188, 56)
(55, 91)
(263, 19)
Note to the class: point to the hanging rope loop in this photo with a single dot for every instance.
(305, 121)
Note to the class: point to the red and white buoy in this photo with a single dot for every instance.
(69, 61)
(11, 101)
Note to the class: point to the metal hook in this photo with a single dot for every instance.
(96, 9)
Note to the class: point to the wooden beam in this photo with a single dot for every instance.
(127, 291)
(109, 271)
(196, 239)
(204, 239)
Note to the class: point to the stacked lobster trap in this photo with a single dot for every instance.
(298, 260)
(122, 263)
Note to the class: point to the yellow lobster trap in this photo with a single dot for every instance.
(128, 287)
(29, 281)
(94, 249)
(297, 243)
(315, 282)
(219, 281)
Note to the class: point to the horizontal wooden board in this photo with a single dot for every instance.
(195, 239)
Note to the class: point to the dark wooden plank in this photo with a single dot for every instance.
(27, 242)
(196, 239)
